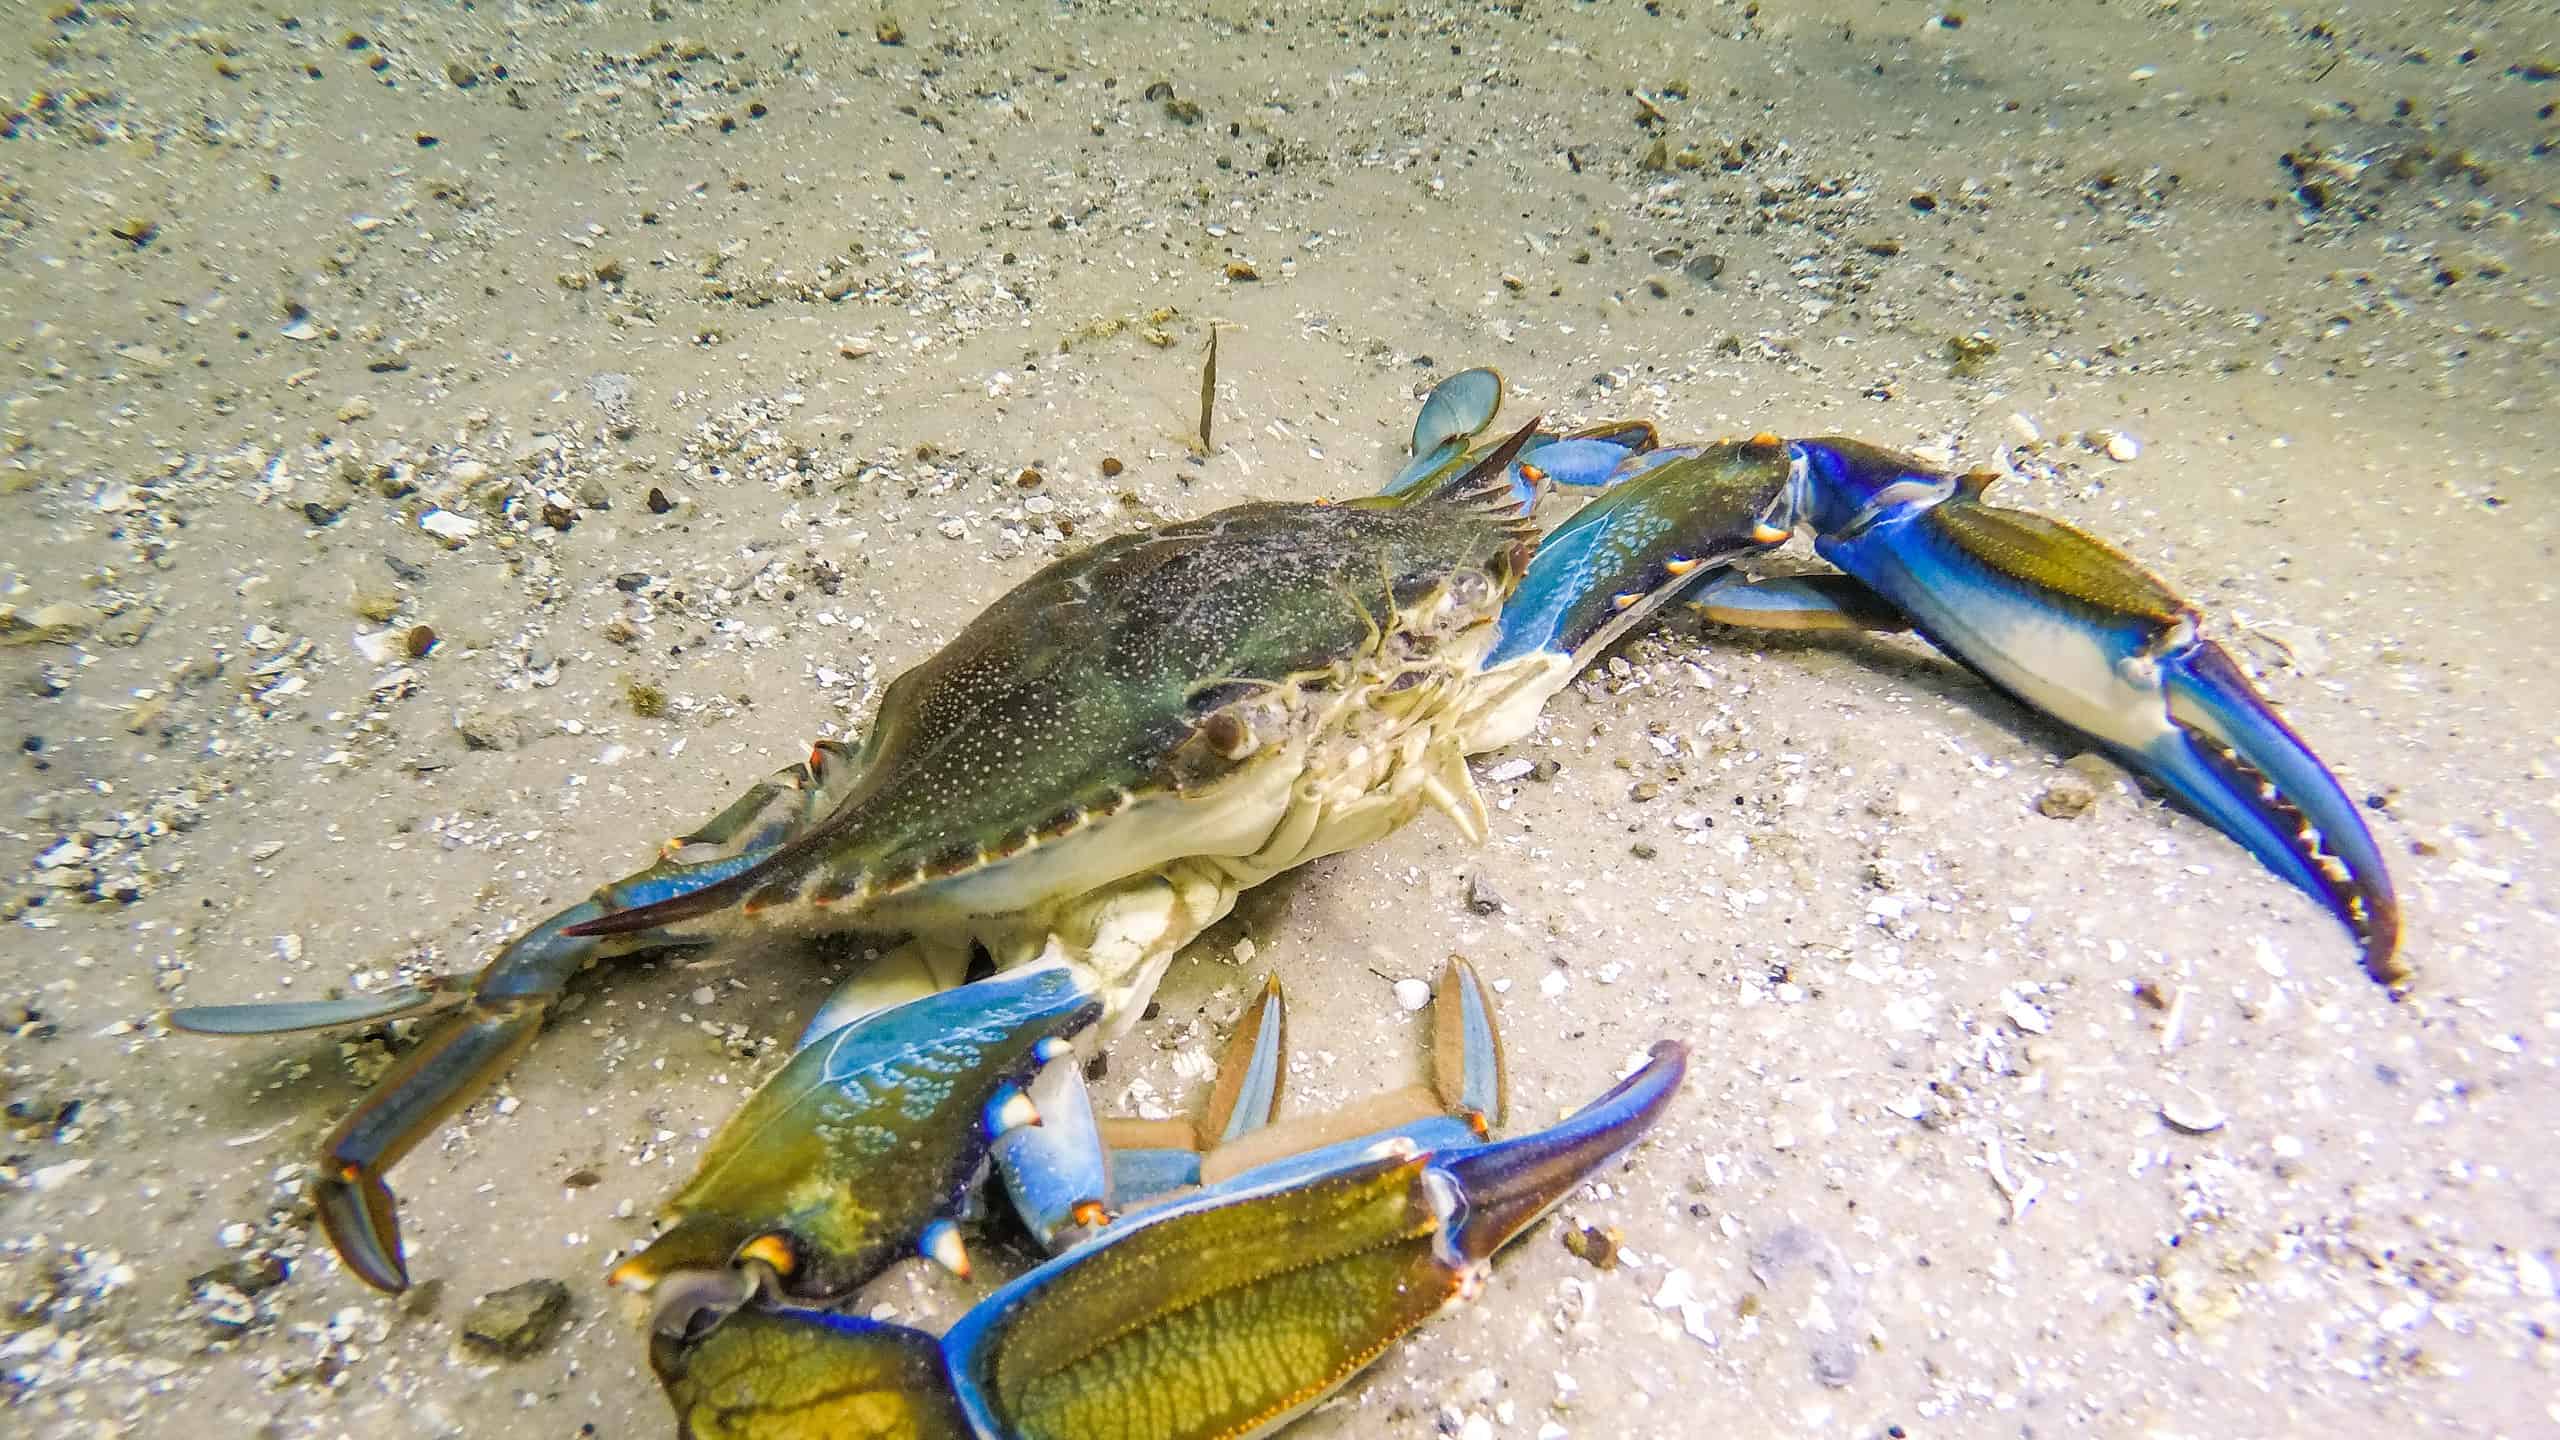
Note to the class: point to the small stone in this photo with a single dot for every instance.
(489, 730)
(1029, 479)
(1645, 790)
(1242, 270)
(1111, 466)
(659, 504)
(2122, 448)
(1546, 770)
(888, 31)
(1595, 1245)
(250, 1275)
(419, 640)
(378, 606)
(1412, 994)
(1482, 898)
(517, 1321)
(2067, 796)
(1642, 851)
(2190, 1112)
(446, 526)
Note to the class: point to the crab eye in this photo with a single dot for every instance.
(1472, 590)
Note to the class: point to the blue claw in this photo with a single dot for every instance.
(2067, 625)
(864, 1144)
(1501, 1189)
(1057, 1172)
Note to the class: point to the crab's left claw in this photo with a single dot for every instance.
(2070, 626)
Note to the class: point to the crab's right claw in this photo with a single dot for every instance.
(2073, 627)
(1236, 1310)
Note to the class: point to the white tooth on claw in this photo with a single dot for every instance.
(941, 1245)
(1009, 1111)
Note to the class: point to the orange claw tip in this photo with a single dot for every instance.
(1763, 533)
(1090, 1212)
(631, 1275)
(772, 1251)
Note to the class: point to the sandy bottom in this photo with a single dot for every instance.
(320, 329)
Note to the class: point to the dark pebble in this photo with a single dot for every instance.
(517, 1321)
(631, 582)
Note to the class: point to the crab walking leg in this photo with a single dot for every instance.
(2070, 626)
(1792, 602)
(497, 1013)
(1227, 1313)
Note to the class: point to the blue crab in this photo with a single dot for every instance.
(1090, 773)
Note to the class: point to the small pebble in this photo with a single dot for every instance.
(2191, 1113)
(2067, 796)
(1412, 994)
(517, 1321)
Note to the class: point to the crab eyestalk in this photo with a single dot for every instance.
(2068, 625)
